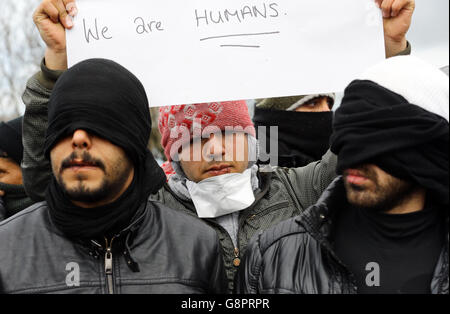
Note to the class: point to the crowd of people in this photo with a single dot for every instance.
(355, 200)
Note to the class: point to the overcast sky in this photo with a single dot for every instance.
(429, 34)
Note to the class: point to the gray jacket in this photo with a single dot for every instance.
(283, 193)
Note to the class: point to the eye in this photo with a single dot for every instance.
(310, 104)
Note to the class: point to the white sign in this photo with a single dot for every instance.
(219, 50)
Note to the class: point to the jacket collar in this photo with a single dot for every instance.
(318, 219)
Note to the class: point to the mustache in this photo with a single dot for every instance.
(84, 158)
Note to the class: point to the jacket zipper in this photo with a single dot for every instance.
(237, 252)
(109, 266)
(236, 260)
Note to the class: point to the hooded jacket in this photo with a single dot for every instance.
(297, 256)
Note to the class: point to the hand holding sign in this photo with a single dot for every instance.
(397, 17)
(271, 26)
(52, 17)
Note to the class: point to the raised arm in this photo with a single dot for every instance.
(397, 17)
(51, 17)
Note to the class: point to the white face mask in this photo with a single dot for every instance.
(222, 195)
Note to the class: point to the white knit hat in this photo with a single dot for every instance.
(415, 80)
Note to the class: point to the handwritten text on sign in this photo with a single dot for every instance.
(216, 50)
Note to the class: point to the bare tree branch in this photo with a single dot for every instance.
(21, 49)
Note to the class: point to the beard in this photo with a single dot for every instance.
(81, 193)
(112, 183)
(388, 192)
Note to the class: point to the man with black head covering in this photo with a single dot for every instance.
(381, 227)
(13, 198)
(97, 232)
(304, 127)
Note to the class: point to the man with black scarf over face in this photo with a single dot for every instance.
(304, 127)
(13, 198)
(97, 232)
(382, 226)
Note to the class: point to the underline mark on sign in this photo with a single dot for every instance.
(239, 35)
(240, 46)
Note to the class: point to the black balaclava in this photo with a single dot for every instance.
(11, 139)
(375, 125)
(15, 198)
(303, 137)
(104, 99)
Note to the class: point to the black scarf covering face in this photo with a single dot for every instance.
(104, 221)
(375, 125)
(11, 139)
(15, 198)
(102, 98)
(303, 137)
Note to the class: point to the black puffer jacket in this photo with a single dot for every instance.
(2, 209)
(297, 257)
(162, 251)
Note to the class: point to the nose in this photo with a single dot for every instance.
(81, 140)
(216, 145)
